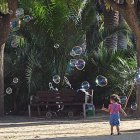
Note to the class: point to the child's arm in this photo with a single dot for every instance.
(105, 109)
(123, 112)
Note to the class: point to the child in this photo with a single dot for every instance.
(114, 109)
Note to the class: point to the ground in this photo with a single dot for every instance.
(24, 128)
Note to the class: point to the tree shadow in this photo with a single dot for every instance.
(126, 136)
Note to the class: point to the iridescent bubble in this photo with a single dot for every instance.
(134, 106)
(56, 79)
(137, 77)
(15, 24)
(20, 13)
(80, 65)
(56, 46)
(73, 62)
(14, 43)
(9, 90)
(27, 18)
(123, 99)
(15, 80)
(101, 81)
(77, 50)
(85, 85)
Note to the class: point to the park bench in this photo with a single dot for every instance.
(67, 98)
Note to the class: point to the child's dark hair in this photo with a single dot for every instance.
(115, 97)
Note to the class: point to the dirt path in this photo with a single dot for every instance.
(19, 128)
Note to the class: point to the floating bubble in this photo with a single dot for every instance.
(27, 18)
(20, 13)
(134, 106)
(15, 80)
(137, 77)
(56, 79)
(14, 43)
(80, 65)
(123, 99)
(101, 81)
(15, 24)
(85, 85)
(56, 46)
(73, 62)
(77, 50)
(9, 90)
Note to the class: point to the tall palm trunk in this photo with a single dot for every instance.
(111, 19)
(1, 80)
(122, 39)
(4, 32)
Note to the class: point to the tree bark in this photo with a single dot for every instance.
(111, 19)
(4, 32)
(122, 39)
(131, 14)
(2, 80)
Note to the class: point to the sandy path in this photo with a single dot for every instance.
(19, 128)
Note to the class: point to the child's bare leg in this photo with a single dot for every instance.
(118, 129)
(111, 130)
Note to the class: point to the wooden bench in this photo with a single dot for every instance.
(65, 97)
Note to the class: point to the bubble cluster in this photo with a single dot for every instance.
(101, 81)
(85, 85)
(56, 79)
(9, 90)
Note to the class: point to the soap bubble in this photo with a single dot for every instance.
(27, 18)
(20, 13)
(123, 99)
(80, 65)
(9, 90)
(73, 62)
(15, 80)
(56, 46)
(15, 24)
(56, 79)
(137, 77)
(77, 50)
(134, 106)
(101, 81)
(85, 85)
(14, 43)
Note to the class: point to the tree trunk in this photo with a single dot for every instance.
(111, 19)
(2, 80)
(122, 40)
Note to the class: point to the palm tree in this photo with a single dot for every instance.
(111, 19)
(5, 17)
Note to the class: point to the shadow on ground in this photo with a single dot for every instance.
(125, 136)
